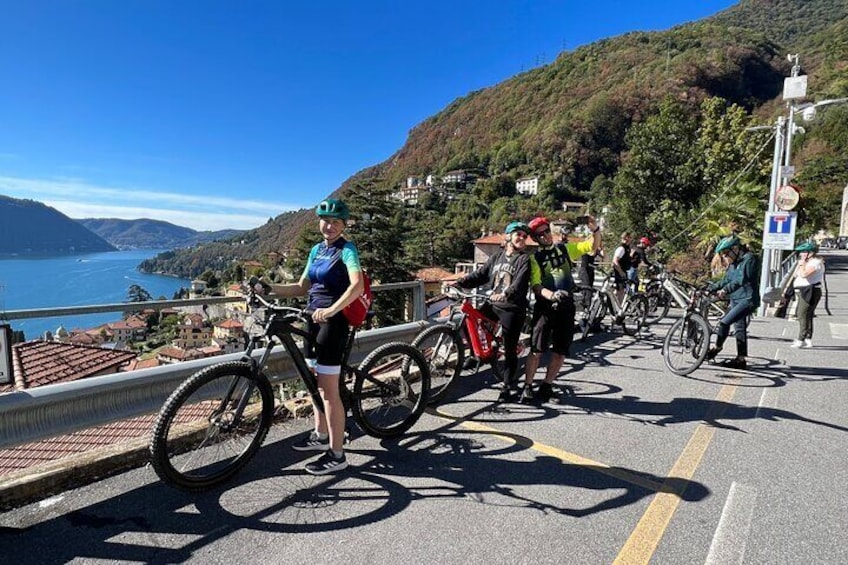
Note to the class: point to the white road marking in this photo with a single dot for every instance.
(763, 400)
(731, 536)
(838, 331)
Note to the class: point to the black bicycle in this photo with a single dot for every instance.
(216, 420)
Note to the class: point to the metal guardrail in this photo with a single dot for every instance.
(52, 410)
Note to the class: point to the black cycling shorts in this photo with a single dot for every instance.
(553, 328)
(329, 340)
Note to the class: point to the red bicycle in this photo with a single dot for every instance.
(443, 345)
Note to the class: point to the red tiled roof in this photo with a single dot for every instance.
(38, 363)
(435, 274)
(36, 453)
(230, 324)
(136, 364)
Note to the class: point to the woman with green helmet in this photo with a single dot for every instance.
(807, 282)
(741, 285)
(507, 273)
(332, 279)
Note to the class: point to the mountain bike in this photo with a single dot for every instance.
(629, 314)
(217, 419)
(443, 345)
(688, 340)
(658, 297)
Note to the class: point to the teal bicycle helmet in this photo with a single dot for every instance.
(807, 247)
(333, 208)
(517, 226)
(726, 243)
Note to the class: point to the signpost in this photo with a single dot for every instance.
(786, 197)
(6, 376)
(779, 230)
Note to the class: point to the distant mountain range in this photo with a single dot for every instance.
(29, 228)
(152, 234)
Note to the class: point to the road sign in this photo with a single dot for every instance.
(794, 87)
(786, 197)
(779, 230)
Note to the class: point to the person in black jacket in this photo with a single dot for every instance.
(508, 274)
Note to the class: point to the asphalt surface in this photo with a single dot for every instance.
(637, 465)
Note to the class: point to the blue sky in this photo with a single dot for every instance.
(220, 114)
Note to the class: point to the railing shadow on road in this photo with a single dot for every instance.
(157, 524)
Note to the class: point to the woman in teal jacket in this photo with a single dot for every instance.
(741, 285)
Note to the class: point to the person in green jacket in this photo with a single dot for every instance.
(740, 284)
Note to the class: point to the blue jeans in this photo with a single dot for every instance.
(737, 316)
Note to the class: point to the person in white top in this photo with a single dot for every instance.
(807, 280)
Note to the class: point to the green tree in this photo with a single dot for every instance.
(377, 229)
(658, 168)
(136, 293)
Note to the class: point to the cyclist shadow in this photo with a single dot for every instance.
(714, 413)
(463, 468)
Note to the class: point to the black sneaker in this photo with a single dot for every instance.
(505, 395)
(545, 392)
(312, 443)
(526, 394)
(326, 464)
(712, 352)
(736, 363)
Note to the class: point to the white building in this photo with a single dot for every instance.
(528, 186)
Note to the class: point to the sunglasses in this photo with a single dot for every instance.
(521, 234)
(543, 232)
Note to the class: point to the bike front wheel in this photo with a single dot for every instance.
(686, 344)
(633, 316)
(442, 347)
(390, 390)
(211, 426)
(597, 311)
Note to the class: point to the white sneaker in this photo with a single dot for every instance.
(796, 343)
(808, 344)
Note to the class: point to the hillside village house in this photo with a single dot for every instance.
(527, 186)
(192, 331)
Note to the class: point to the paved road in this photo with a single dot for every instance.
(639, 465)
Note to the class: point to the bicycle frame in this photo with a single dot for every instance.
(283, 331)
(481, 331)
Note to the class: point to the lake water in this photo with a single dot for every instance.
(78, 280)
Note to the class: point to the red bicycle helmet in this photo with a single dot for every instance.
(645, 241)
(538, 222)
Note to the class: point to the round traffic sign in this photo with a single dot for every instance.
(786, 197)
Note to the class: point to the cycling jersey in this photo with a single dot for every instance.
(551, 267)
(327, 269)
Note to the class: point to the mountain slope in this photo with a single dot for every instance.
(566, 121)
(151, 234)
(29, 228)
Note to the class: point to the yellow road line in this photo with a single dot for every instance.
(643, 541)
(645, 538)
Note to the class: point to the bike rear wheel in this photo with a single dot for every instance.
(659, 302)
(633, 316)
(211, 426)
(390, 390)
(686, 344)
(444, 351)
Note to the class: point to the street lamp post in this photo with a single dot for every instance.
(795, 88)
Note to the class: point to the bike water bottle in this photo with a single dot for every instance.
(481, 333)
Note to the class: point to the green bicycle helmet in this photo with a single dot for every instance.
(333, 208)
(517, 226)
(726, 243)
(807, 247)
